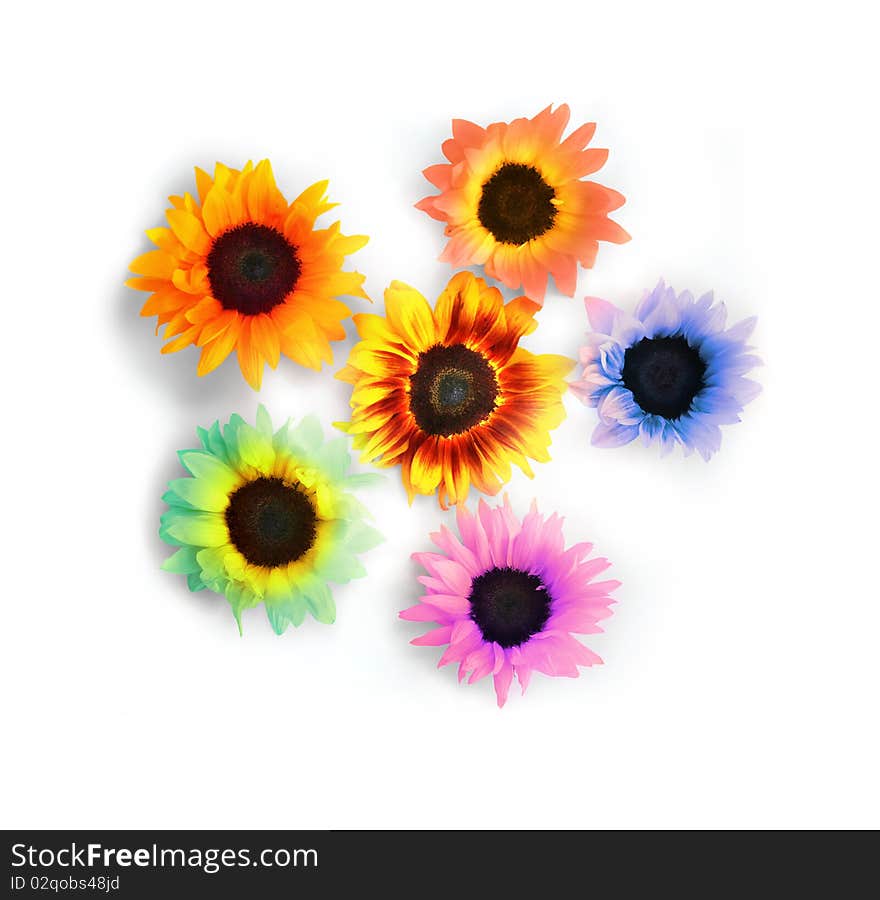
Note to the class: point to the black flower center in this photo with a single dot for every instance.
(516, 204)
(508, 605)
(453, 389)
(664, 375)
(270, 522)
(252, 268)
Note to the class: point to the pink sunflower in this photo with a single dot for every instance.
(507, 596)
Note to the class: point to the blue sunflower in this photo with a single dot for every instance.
(670, 373)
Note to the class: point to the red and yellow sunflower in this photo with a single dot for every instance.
(449, 395)
(513, 201)
(242, 269)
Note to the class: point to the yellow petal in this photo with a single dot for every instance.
(410, 316)
(426, 470)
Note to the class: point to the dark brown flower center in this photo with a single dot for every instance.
(664, 375)
(252, 268)
(453, 389)
(516, 204)
(270, 522)
(509, 606)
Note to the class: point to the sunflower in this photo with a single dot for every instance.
(513, 201)
(266, 517)
(241, 269)
(670, 373)
(449, 395)
(507, 595)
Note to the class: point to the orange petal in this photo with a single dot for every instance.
(580, 137)
(249, 360)
(155, 263)
(264, 201)
(216, 351)
(266, 338)
(203, 183)
(440, 175)
(211, 330)
(189, 231)
(467, 133)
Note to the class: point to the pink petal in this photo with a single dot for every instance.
(454, 604)
(434, 638)
(465, 638)
(577, 619)
(481, 662)
(450, 544)
(502, 679)
(601, 314)
(453, 576)
(422, 612)
(523, 676)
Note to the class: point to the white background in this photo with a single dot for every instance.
(741, 676)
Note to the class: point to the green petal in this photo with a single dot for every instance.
(358, 537)
(212, 561)
(195, 583)
(173, 499)
(183, 562)
(169, 518)
(367, 479)
(230, 438)
(165, 536)
(278, 588)
(213, 441)
(264, 421)
(307, 436)
(255, 449)
(320, 602)
(201, 493)
(279, 439)
(282, 613)
(349, 507)
(206, 466)
(200, 529)
(335, 458)
(341, 568)
(240, 599)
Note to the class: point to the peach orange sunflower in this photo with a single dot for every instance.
(449, 395)
(513, 201)
(242, 269)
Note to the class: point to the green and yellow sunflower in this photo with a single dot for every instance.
(267, 517)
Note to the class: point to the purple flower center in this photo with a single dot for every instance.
(664, 375)
(270, 522)
(509, 605)
(453, 389)
(516, 204)
(252, 268)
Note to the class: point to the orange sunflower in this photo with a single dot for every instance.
(242, 269)
(450, 395)
(513, 201)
